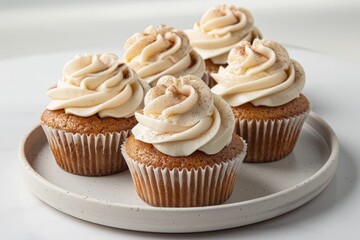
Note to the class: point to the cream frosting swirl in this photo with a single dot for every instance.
(161, 51)
(98, 84)
(181, 115)
(261, 73)
(220, 29)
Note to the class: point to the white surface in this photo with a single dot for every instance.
(329, 26)
(332, 85)
(262, 191)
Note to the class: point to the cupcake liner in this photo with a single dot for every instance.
(270, 140)
(87, 154)
(162, 187)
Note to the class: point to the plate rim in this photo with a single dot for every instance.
(326, 132)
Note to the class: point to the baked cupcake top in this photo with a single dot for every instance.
(181, 115)
(260, 73)
(220, 29)
(160, 51)
(98, 84)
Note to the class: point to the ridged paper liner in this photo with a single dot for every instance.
(270, 140)
(162, 187)
(87, 154)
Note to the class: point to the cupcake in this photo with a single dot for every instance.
(160, 51)
(91, 113)
(183, 152)
(263, 86)
(219, 30)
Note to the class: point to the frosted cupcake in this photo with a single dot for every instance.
(91, 113)
(218, 31)
(160, 51)
(263, 86)
(183, 152)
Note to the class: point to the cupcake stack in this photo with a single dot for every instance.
(181, 110)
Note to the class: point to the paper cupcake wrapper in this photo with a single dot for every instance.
(162, 187)
(87, 154)
(270, 140)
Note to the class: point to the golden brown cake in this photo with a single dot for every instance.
(147, 154)
(212, 67)
(183, 152)
(263, 86)
(91, 113)
(291, 109)
(93, 124)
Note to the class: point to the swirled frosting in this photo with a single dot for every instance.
(220, 29)
(98, 84)
(162, 51)
(182, 115)
(261, 73)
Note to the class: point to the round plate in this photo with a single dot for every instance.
(262, 191)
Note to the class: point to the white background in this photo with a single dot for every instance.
(37, 37)
(28, 27)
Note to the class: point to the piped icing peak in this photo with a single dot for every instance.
(160, 51)
(181, 115)
(220, 29)
(98, 84)
(261, 73)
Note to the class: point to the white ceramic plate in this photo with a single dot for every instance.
(262, 191)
